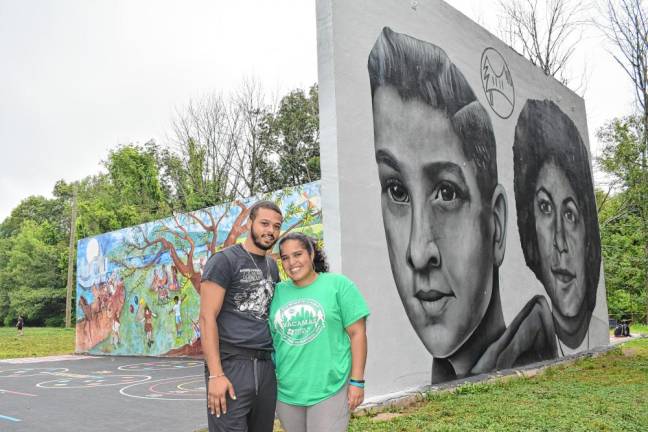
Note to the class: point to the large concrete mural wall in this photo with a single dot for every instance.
(457, 193)
(138, 288)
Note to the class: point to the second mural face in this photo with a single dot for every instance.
(482, 177)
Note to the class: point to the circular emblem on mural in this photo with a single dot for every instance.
(300, 321)
(497, 83)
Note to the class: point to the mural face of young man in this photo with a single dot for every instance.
(561, 240)
(439, 228)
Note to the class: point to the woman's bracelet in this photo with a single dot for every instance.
(216, 376)
(357, 383)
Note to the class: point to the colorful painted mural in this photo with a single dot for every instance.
(138, 289)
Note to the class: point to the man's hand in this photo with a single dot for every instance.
(356, 396)
(217, 393)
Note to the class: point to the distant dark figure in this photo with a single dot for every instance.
(622, 329)
(626, 329)
(20, 324)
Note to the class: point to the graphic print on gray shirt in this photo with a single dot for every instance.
(249, 288)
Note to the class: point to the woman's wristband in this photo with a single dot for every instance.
(216, 376)
(357, 383)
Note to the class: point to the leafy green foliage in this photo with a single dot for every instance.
(32, 274)
(40, 210)
(292, 133)
(623, 218)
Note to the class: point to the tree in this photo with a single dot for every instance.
(239, 145)
(172, 237)
(622, 239)
(198, 171)
(33, 276)
(133, 171)
(546, 34)
(626, 151)
(40, 210)
(292, 133)
(251, 151)
(623, 217)
(32, 255)
(627, 30)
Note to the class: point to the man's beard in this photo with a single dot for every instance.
(256, 239)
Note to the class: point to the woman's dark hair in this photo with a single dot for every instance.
(312, 246)
(422, 71)
(545, 134)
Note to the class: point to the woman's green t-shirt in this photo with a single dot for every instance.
(312, 348)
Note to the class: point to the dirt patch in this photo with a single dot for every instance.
(629, 352)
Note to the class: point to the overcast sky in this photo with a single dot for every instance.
(79, 77)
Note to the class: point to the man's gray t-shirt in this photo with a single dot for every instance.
(249, 287)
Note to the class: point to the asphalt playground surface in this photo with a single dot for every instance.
(88, 393)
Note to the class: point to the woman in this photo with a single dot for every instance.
(317, 321)
(557, 219)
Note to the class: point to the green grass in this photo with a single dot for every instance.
(639, 329)
(607, 393)
(36, 342)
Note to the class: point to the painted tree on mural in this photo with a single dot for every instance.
(172, 236)
(159, 264)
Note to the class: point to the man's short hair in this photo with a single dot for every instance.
(544, 133)
(266, 205)
(422, 71)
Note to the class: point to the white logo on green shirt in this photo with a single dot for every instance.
(300, 321)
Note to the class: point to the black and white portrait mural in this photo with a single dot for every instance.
(444, 212)
(456, 192)
(557, 219)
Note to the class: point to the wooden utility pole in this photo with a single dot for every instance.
(70, 272)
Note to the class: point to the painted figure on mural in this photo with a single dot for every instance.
(176, 310)
(445, 213)
(115, 337)
(148, 325)
(557, 219)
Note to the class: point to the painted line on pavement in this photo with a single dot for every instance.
(3, 391)
(13, 419)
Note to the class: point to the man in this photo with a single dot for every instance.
(235, 294)
(19, 325)
(444, 211)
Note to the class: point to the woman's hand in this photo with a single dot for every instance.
(218, 390)
(356, 397)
